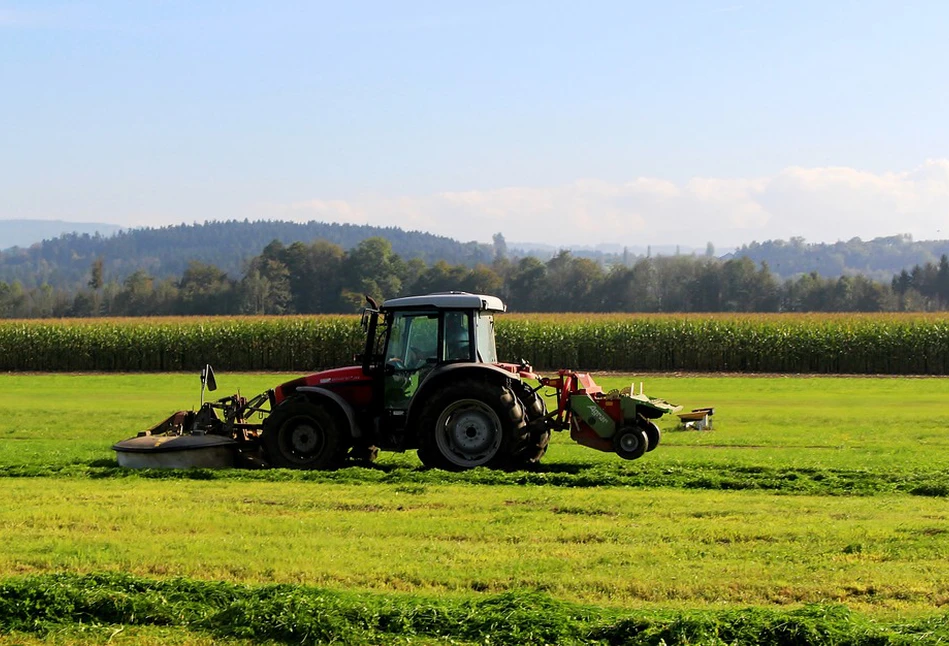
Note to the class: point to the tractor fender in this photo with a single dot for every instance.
(316, 392)
(453, 372)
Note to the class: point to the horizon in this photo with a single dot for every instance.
(614, 123)
(526, 246)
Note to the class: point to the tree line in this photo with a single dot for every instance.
(321, 277)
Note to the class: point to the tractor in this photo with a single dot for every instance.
(429, 379)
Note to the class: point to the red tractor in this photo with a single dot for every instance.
(429, 379)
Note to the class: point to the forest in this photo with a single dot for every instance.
(323, 277)
(166, 252)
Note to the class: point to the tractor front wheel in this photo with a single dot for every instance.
(302, 435)
(468, 425)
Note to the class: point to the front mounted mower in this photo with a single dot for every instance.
(428, 380)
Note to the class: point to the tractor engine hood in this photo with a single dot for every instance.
(350, 375)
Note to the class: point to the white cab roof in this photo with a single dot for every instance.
(447, 301)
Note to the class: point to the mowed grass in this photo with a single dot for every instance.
(604, 546)
(884, 425)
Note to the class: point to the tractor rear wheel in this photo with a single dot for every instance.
(303, 435)
(470, 424)
(534, 445)
(630, 442)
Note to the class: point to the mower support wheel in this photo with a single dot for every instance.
(303, 435)
(653, 434)
(630, 442)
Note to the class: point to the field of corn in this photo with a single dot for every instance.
(821, 343)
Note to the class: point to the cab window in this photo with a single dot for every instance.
(484, 327)
(410, 355)
(457, 336)
(413, 339)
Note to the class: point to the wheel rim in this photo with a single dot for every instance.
(302, 439)
(629, 442)
(468, 433)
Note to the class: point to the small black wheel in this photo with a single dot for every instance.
(653, 434)
(302, 435)
(630, 442)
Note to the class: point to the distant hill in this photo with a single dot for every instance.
(63, 259)
(878, 259)
(23, 233)
(166, 251)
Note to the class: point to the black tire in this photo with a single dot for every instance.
(431, 459)
(653, 434)
(303, 435)
(630, 442)
(534, 445)
(470, 424)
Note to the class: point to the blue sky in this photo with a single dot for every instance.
(559, 122)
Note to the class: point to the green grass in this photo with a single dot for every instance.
(68, 633)
(690, 544)
(808, 435)
(307, 615)
(609, 546)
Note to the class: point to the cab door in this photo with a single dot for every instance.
(411, 353)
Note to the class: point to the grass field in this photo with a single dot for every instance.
(886, 425)
(803, 494)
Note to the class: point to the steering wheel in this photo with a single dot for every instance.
(413, 360)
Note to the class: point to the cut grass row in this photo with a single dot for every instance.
(305, 615)
(708, 477)
(859, 344)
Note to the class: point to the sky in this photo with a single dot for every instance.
(565, 123)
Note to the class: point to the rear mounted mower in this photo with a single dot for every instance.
(620, 421)
(429, 380)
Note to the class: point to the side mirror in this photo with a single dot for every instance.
(207, 378)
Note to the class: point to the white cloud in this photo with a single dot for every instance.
(820, 204)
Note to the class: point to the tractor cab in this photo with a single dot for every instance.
(412, 337)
